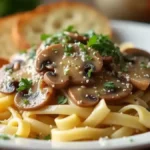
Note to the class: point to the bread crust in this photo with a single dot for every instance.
(10, 17)
(17, 31)
(16, 34)
(6, 42)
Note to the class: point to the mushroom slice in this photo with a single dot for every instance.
(138, 68)
(5, 87)
(69, 63)
(11, 74)
(76, 37)
(135, 52)
(36, 97)
(107, 59)
(141, 84)
(8, 88)
(7, 83)
(106, 87)
(9, 77)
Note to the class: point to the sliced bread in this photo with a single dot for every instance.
(55, 17)
(7, 47)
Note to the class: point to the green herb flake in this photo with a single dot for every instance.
(88, 57)
(70, 28)
(32, 53)
(105, 47)
(8, 69)
(65, 39)
(62, 100)
(24, 84)
(4, 137)
(68, 49)
(89, 74)
(109, 85)
(143, 65)
(26, 101)
(47, 137)
(83, 49)
(52, 40)
(44, 37)
(92, 40)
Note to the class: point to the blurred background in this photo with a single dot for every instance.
(136, 10)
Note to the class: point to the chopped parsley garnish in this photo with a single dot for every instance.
(105, 47)
(89, 74)
(8, 69)
(44, 36)
(88, 57)
(57, 38)
(68, 49)
(47, 137)
(4, 137)
(109, 85)
(93, 41)
(62, 100)
(24, 84)
(32, 53)
(65, 39)
(143, 65)
(83, 49)
(50, 40)
(26, 101)
(70, 29)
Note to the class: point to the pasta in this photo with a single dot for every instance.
(76, 87)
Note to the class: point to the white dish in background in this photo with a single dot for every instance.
(136, 33)
(139, 35)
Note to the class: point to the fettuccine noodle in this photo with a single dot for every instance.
(73, 125)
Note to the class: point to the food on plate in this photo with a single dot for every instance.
(73, 87)
(55, 17)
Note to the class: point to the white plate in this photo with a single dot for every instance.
(139, 35)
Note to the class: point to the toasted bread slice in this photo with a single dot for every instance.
(55, 17)
(7, 45)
